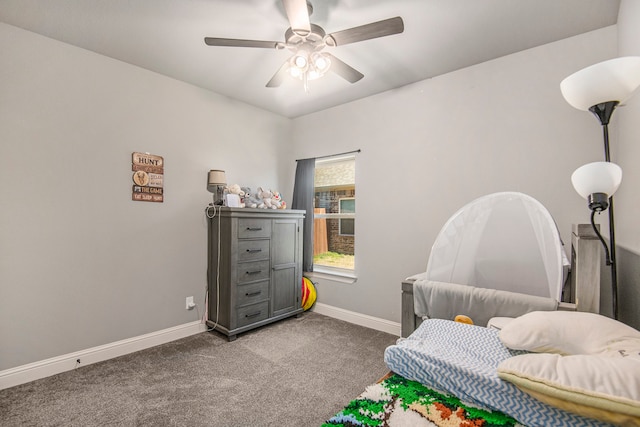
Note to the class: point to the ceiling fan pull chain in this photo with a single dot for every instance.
(306, 82)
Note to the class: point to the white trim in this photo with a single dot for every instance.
(67, 362)
(376, 323)
(335, 215)
(328, 273)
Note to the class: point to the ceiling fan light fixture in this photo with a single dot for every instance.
(300, 61)
(296, 72)
(305, 66)
(321, 62)
(318, 66)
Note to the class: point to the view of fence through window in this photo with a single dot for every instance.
(335, 213)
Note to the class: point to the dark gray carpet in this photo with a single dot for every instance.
(297, 372)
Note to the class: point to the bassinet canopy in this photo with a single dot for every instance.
(506, 241)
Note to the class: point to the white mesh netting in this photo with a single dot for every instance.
(506, 241)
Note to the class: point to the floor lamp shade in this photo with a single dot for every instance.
(612, 80)
(597, 177)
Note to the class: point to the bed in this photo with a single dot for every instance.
(539, 370)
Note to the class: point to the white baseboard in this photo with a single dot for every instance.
(67, 362)
(376, 323)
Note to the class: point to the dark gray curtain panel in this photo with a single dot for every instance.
(303, 194)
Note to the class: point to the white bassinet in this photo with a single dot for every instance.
(499, 256)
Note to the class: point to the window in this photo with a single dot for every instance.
(347, 225)
(334, 215)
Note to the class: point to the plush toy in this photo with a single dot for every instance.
(276, 200)
(235, 189)
(265, 197)
(250, 200)
(461, 318)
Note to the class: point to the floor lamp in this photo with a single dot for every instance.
(600, 88)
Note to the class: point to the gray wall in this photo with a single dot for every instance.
(82, 265)
(626, 152)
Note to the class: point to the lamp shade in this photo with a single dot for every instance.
(597, 177)
(612, 80)
(215, 178)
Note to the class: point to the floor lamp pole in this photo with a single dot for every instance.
(603, 112)
(612, 235)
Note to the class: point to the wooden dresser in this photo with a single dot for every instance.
(254, 267)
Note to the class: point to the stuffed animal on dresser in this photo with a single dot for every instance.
(235, 189)
(250, 199)
(276, 200)
(265, 196)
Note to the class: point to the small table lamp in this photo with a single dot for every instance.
(216, 182)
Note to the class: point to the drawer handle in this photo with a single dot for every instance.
(254, 272)
(254, 228)
(253, 251)
(253, 314)
(253, 294)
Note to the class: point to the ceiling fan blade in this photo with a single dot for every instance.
(345, 71)
(374, 30)
(215, 41)
(279, 76)
(298, 15)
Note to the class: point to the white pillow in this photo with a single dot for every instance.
(569, 332)
(602, 387)
(593, 369)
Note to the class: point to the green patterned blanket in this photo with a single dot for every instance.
(397, 401)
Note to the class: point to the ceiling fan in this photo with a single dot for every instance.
(307, 42)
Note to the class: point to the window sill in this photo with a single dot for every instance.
(330, 274)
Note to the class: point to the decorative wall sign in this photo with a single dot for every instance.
(148, 177)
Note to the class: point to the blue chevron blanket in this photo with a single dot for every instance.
(460, 359)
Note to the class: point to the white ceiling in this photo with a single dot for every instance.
(440, 36)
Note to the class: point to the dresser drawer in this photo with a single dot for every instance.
(249, 228)
(249, 250)
(252, 313)
(253, 271)
(252, 293)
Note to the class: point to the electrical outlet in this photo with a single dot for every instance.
(190, 304)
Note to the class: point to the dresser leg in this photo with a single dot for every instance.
(232, 337)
